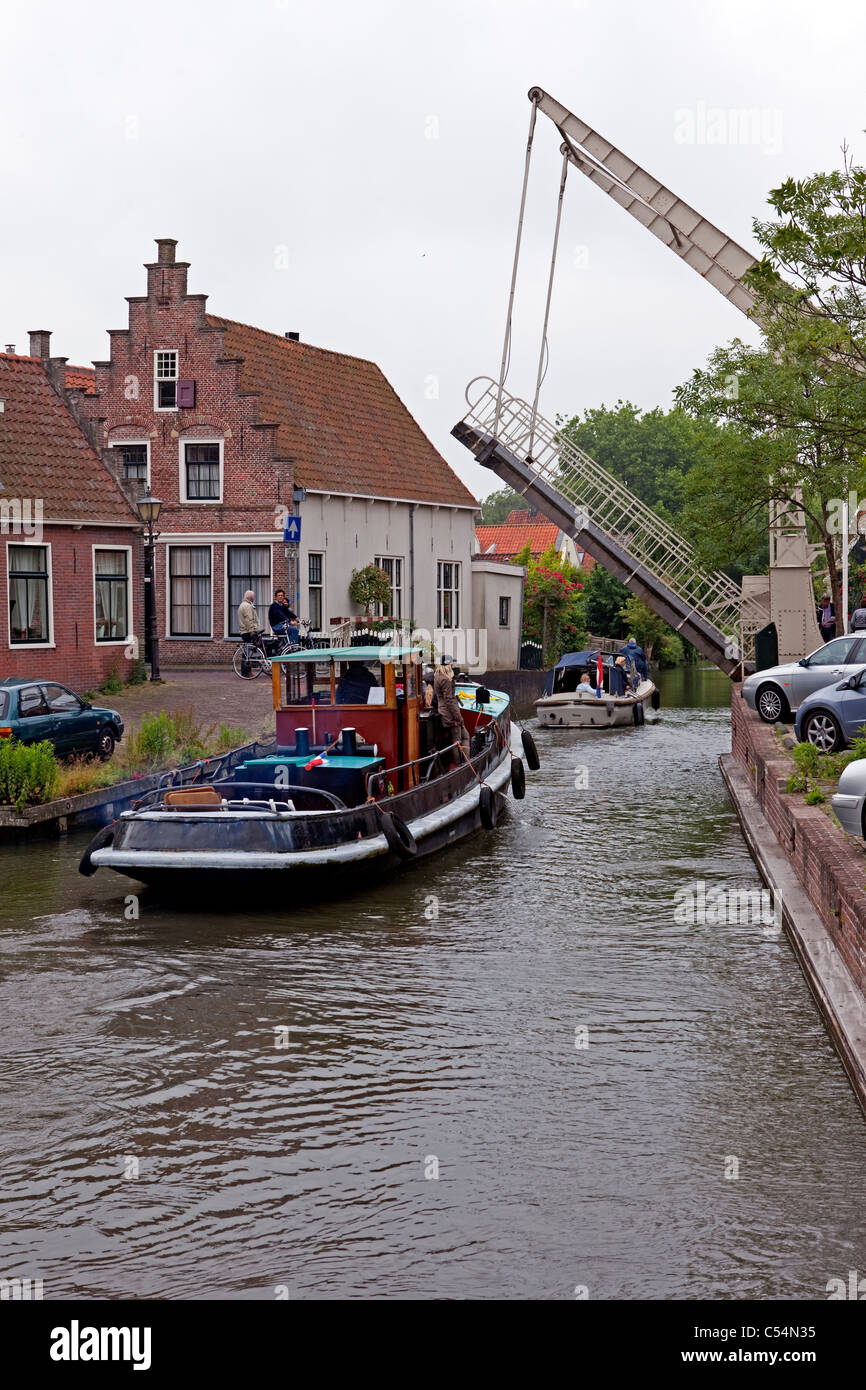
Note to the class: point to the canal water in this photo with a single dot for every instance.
(257, 1105)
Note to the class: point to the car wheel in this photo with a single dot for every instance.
(823, 730)
(771, 704)
(105, 743)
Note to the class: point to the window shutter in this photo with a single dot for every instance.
(186, 395)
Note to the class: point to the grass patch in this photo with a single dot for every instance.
(28, 773)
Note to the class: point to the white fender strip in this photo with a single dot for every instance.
(354, 852)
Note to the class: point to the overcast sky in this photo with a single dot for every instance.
(352, 171)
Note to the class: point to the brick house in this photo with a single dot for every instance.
(71, 565)
(233, 428)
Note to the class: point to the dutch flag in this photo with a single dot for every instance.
(599, 676)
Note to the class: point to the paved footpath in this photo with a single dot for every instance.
(214, 696)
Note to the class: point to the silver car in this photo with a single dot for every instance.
(778, 692)
(850, 797)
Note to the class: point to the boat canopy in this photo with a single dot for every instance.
(353, 654)
(568, 659)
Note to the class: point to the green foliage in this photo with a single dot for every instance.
(28, 773)
(112, 685)
(153, 743)
(553, 610)
(604, 597)
(228, 738)
(368, 587)
(815, 796)
(137, 672)
(495, 508)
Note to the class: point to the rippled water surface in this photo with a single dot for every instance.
(150, 1045)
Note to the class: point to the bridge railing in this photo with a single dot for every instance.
(652, 542)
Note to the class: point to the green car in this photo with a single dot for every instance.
(35, 710)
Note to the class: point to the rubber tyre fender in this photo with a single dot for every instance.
(400, 838)
(487, 807)
(102, 838)
(518, 779)
(638, 713)
(656, 699)
(533, 762)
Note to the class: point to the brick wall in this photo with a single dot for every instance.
(76, 658)
(255, 482)
(831, 867)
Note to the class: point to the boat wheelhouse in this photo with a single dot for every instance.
(363, 777)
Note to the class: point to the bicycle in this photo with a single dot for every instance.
(250, 658)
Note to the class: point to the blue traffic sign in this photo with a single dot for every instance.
(292, 531)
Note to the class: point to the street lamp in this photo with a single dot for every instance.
(149, 509)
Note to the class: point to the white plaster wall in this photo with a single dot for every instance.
(350, 532)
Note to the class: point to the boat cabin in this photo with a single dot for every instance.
(565, 676)
(344, 714)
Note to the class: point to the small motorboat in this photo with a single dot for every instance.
(568, 703)
(364, 778)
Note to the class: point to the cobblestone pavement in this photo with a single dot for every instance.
(215, 696)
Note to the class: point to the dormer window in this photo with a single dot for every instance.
(165, 380)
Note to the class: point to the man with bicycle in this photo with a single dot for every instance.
(282, 619)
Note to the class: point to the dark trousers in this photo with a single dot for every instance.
(828, 632)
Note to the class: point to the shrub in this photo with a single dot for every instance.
(815, 796)
(228, 738)
(138, 672)
(112, 685)
(368, 587)
(153, 743)
(80, 775)
(28, 773)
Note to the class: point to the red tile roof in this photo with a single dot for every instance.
(511, 537)
(340, 420)
(83, 377)
(43, 453)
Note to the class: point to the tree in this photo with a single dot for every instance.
(552, 605)
(795, 408)
(369, 587)
(652, 632)
(603, 599)
(495, 508)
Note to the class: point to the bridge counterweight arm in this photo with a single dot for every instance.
(709, 251)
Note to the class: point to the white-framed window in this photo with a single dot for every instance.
(112, 594)
(393, 567)
(188, 592)
(315, 588)
(31, 619)
(448, 593)
(247, 567)
(201, 470)
(165, 371)
(133, 461)
(505, 612)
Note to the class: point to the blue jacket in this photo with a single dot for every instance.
(638, 656)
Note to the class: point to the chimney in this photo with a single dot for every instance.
(40, 343)
(166, 277)
(293, 337)
(10, 347)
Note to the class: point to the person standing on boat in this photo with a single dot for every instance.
(248, 619)
(617, 677)
(632, 652)
(448, 705)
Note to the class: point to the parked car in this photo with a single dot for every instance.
(778, 692)
(833, 716)
(34, 710)
(850, 798)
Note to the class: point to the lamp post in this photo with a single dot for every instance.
(148, 510)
